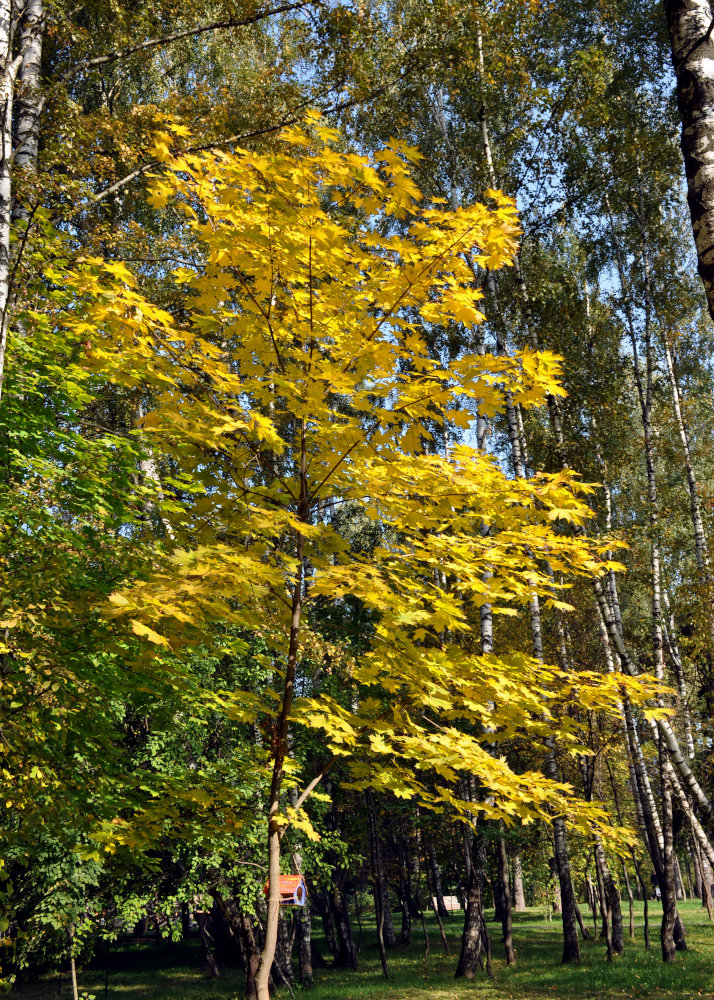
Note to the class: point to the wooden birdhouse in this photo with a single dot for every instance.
(293, 891)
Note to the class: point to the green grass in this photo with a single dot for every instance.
(176, 972)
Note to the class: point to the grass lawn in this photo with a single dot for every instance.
(176, 972)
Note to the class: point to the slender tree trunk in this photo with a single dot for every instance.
(378, 876)
(692, 42)
(645, 906)
(687, 858)
(405, 892)
(630, 900)
(358, 915)
(681, 893)
(602, 898)
(323, 905)
(29, 92)
(701, 872)
(670, 638)
(275, 828)
(340, 909)
(519, 897)
(207, 942)
(241, 928)
(435, 872)
(612, 898)
(592, 900)
(507, 918)
(612, 915)
(283, 952)
(379, 912)
(9, 67)
(694, 853)
(666, 880)
(435, 908)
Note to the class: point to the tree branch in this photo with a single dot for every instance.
(313, 784)
(152, 43)
(293, 119)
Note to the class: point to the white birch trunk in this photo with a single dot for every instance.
(9, 65)
(670, 638)
(29, 94)
(692, 41)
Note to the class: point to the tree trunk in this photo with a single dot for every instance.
(692, 42)
(207, 942)
(602, 898)
(571, 942)
(435, 908)
(378, 877)
(519, 897)
(474, 938)
(9, 67)
(405, 898)
(29, 94)
(435, 872)
(680, 892)
(666, 879)
(612, 898)
(241, 928)
(592, 900)
(630, 900)
(702, 873)
(505, 892)
(469, 958)
(275, 828)
(348, 951)
(283, 953)
(323, 905)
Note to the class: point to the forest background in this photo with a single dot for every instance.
(321, 328)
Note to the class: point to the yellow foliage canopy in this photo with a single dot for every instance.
(299, 377)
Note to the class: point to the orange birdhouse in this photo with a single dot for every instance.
(293, 891)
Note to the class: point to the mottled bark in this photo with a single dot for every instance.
(592, 900)
(675, 656)
(474, 939)
(665, 876)
(303, 933)
(519, 897)
(9, 67)
(29, 93)
(692, 42)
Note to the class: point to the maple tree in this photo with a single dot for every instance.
(299, 379)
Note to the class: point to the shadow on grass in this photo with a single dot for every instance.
(177, 972)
